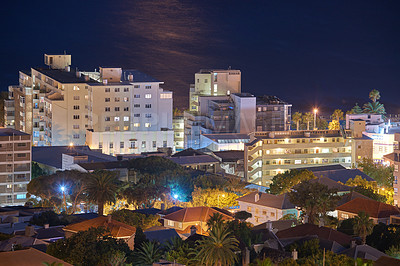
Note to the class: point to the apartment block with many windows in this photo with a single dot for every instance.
(129, 113)
(15, 166)
(270, 153)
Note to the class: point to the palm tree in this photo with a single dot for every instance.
(148, 253)
(296, 117)
(219, 247)
(337, 115)
(102, 188)
(363, 225)
(374, 95)
(214, 220)
(308, 117)
(374, 108)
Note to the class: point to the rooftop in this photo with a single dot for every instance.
(63, 76)
(196, 159)
(269, 200)
(321, 232)
(11, 132)
(193, 214)
(52, 155)
(374, 209)
(138, 76)
(104, 165)
(269, 100)
(117, 229)
(28, 257)
(230, 156)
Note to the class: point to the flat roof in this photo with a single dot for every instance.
(11, 132)
(269, 99)
(63, 76)
(138, 76)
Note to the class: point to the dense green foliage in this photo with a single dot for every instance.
(48, 217)
(136, 219)
(284, 182)
(384, 236)
(92, 247)
(383, 175)
(363, 225)
(314, 199)
(347, 226)
(37, 170)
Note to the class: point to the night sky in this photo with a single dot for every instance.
(324, 53)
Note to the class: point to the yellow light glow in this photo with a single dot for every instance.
(71, 144)
(315, 110)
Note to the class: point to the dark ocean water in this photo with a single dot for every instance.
(324, 53)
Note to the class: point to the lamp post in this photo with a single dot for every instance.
(223, 195)
(65, 201)
(315, 118)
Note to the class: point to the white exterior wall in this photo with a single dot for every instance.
(369, 118)
(382, 144)
(142, 141)
(245, 114)
(257, 212)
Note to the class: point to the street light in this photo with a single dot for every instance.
(64, 199)
(315, 118)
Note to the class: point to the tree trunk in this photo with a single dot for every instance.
(297, 124)
(100, 207)
(308, 125)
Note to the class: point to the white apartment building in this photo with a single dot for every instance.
(213, 82)
(129, 113)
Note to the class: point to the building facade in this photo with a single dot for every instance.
(178, 125)
(15, 166)
(270, 153)
(213, 83)
(273, 114)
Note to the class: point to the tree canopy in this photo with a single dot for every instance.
(284, 182)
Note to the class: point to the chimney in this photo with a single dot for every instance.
(29, 230)
(269, 225)
(109, 218)
(294, 254)
(68, 68)
(193, 230)
(130, 77)
(257, 197)
(321, 222)
(353, 243)
(46, 226)
(78, 74)
(105, 82)
(86, 77)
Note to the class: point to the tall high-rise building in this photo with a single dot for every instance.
(213, 82)
(15, 166)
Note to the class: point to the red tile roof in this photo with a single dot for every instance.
(374, 208)
(311, 229)
(28, 257)
(269, 200)
(194, 214)
(117, 229)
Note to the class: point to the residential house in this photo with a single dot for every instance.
(29, 257)
(379, 212)
(117, 229)
(231, 161)
(266, 207)
(184, 219)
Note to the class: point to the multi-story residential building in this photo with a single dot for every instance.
(125, 111)
(213, 82)
(178, 125)
(270, 153)
(393, 159)
(15, 166)
(273, 114)
(129, 113)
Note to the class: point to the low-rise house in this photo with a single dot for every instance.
(20, 214)
(184, 219)
(364, 252)
(117, 229)
(29, 257)
(162, 236)
(232, 162)
(193, 159)
(379, 212)
(320, 231)
(266, 207)
(337, 173)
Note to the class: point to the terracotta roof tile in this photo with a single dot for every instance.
(269, 200)
(193, 214)
(117, 229)
(311, 229)
(375, 209)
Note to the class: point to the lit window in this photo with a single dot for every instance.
(126, 118)
(143, 144)
(76, 88)
(126, 99)
(136, 124)
(126, 128)
(147, 96)
(166, 96)
(147, 125)
(21, 196)
(116, 118)
(111, 145)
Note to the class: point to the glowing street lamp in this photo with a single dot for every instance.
(175, 196)
(62, 188)
(315, 118)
